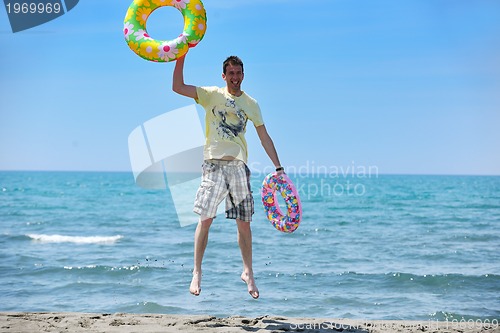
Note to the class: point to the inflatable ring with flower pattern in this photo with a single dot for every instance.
(134, 30)
(282, 184)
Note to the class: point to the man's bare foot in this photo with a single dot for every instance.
(195, 287)
(252, 288)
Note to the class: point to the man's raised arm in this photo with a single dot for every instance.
(178, 84)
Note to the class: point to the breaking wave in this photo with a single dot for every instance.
(75, 239)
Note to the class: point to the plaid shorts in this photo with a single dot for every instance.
(225, 179)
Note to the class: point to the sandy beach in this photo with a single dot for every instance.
(146, 323)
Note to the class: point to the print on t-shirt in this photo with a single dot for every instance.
(229, 121)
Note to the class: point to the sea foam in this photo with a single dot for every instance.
(75, 239)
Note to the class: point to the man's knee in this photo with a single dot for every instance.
(206, 222)
(243, 226)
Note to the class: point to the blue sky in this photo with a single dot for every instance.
(410, 87)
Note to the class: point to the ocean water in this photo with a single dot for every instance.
(371, 247)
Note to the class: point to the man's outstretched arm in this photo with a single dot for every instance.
(268, 145)
(178, 84)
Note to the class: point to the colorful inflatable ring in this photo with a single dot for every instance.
(195, 25)
(272, 184)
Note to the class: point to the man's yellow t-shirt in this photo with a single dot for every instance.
(226, 118)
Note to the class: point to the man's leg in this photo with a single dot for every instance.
(245, 242)
(200, 244)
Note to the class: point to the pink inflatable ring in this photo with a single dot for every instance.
(282, 184)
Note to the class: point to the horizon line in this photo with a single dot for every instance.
(257, 171)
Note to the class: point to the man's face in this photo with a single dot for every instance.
(233, 77)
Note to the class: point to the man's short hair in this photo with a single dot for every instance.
(234, 61)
